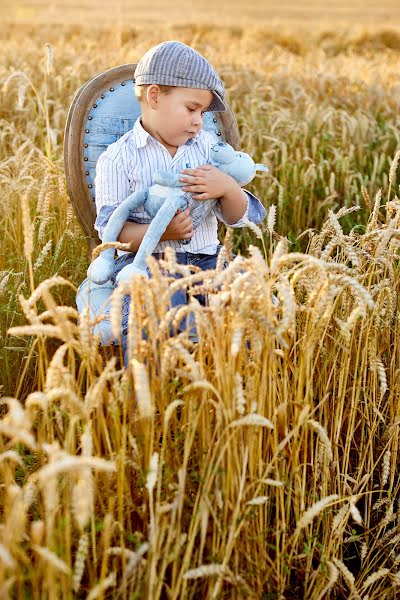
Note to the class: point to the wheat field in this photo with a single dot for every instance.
(262, 462)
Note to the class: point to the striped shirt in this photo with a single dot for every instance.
(128, 165)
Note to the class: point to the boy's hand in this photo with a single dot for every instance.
(207, 182)
(180, 227)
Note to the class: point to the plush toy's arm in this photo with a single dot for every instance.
(121, 215)
(167, 179)
(157, 227)
(101, 268)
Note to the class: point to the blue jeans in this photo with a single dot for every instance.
(179, 298)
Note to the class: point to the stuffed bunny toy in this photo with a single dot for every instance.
(161, 202)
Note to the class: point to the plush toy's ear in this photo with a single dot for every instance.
(259, 167)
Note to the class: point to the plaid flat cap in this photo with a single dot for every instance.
(176, 64)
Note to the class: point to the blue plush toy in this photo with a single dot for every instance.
(161, 202)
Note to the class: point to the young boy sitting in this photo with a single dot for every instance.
(175, 86)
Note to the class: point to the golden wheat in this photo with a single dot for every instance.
(210, 469)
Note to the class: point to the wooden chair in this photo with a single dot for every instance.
(104, 109)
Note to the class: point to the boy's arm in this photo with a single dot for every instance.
(132, 234)
(235, 206)
(180, 228)
(255, 212)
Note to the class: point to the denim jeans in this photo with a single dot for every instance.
(179, 298)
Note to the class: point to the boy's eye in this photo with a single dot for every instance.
(194, 110)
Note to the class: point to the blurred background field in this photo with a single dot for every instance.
(356, 12)
(316, 92)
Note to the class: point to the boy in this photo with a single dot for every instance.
(175, 85)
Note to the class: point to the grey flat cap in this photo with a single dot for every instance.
(176, 64)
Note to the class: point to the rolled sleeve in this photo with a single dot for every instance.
(255, 212)
(103, 217)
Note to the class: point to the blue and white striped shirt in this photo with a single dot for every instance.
(128, 165)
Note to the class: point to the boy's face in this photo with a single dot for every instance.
(175, 116)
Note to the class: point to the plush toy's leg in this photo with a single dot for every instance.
(156, 228)
(102, 267)
(97, 299)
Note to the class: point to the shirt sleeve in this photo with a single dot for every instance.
(255, 212)
(112, 186)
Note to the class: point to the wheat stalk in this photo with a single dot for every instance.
(375, 576)
(52, 559)
(79, 566)
(346, 573)
(310, 514)
(206, 571)
(97, 591)
(142, 389)
(254, 420)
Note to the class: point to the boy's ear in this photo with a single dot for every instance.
(152, 94)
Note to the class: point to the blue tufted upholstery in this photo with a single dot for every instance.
(112, 115)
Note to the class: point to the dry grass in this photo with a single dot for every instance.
(263, 461)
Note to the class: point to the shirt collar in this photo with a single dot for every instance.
(193, 139)
(141, 136)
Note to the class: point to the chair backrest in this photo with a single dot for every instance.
(104, 109)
